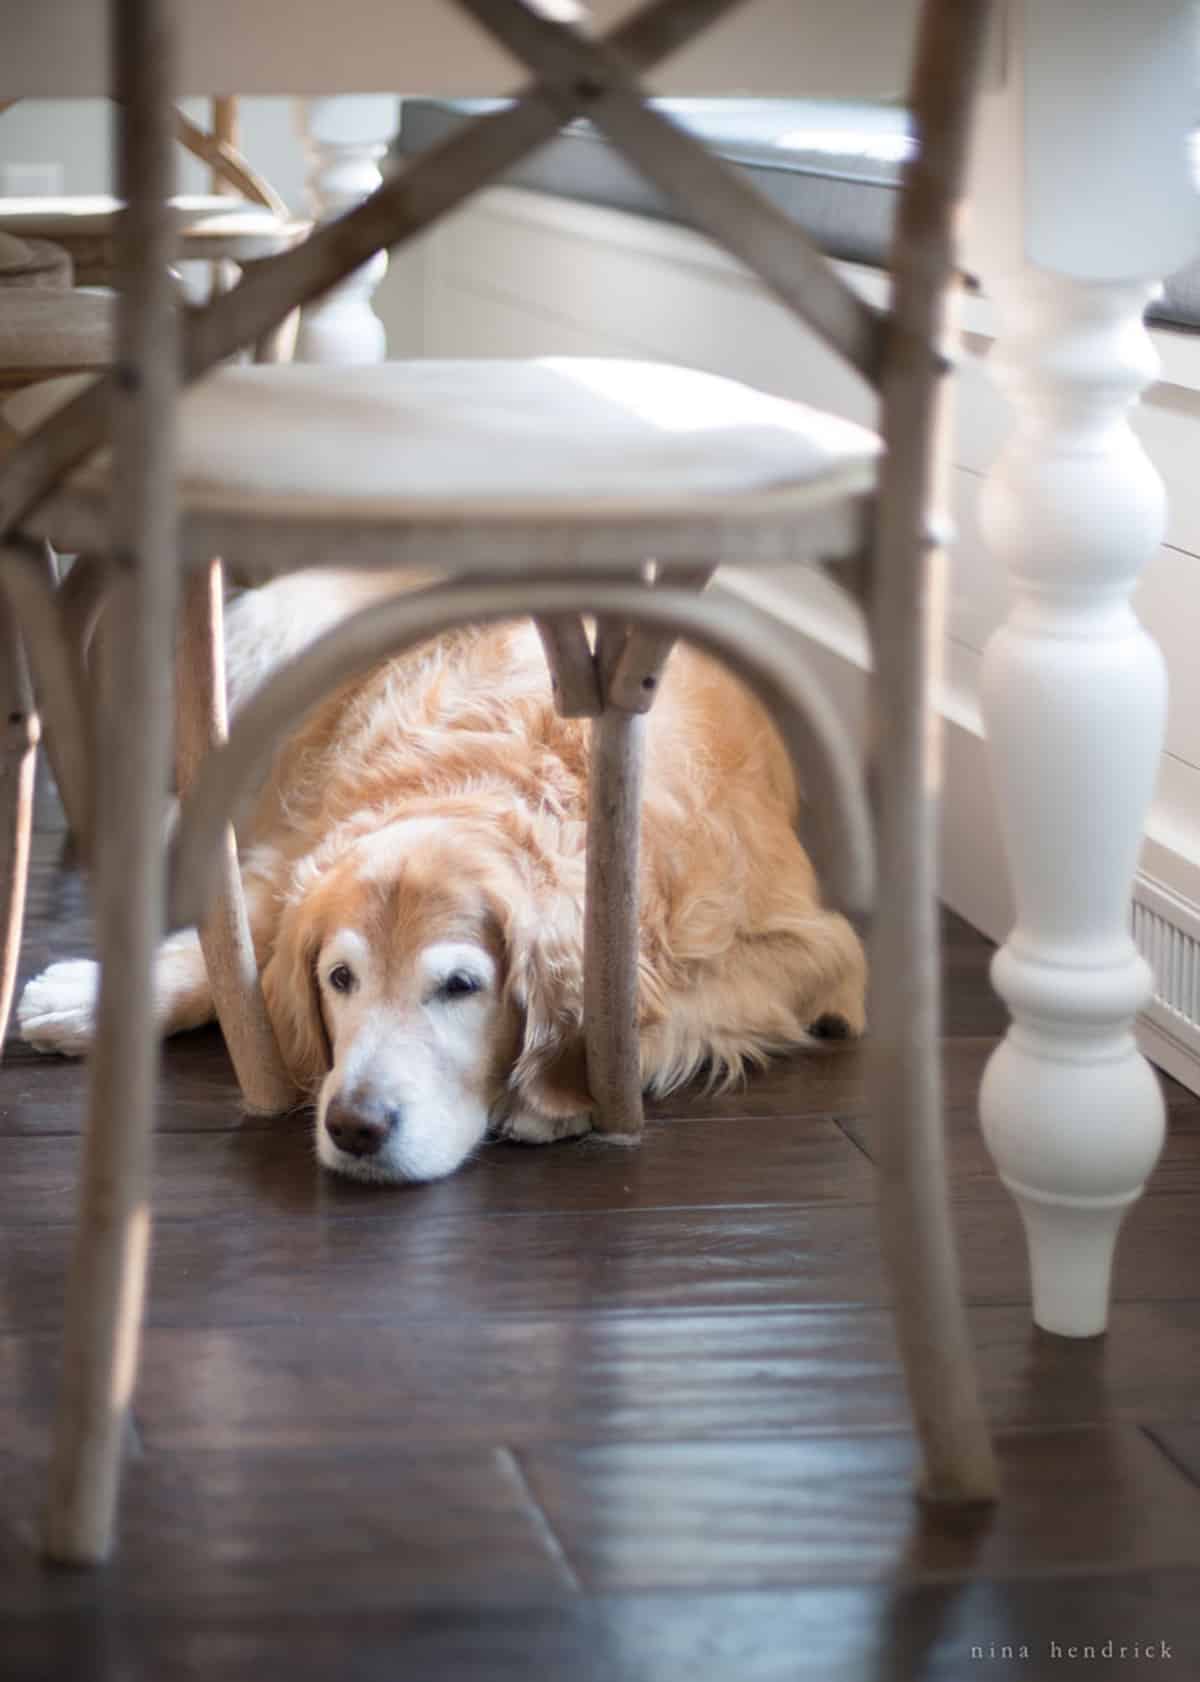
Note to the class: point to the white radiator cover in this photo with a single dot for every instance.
(1166, 931)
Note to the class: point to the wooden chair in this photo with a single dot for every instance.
(562, 523)
(43, 332)
(50, 245)
(209, 228)
(52, 250)
(46, 331)
(240, 223)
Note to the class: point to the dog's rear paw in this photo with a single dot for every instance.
(57, 1012)
(527, 1129)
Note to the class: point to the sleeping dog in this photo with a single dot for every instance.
(414, 876)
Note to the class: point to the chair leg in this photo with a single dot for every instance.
(610, 946)
(58, 684)
(18, 763)
(572, 668)
(904, 1012)
(279, 344)
(81, 600)
(907, 595)
(629, 663)
(106, 1281)
(225, 937)
(916, 1227)
(49, 742)
(107, 1275)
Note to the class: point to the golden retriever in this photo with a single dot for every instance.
(414, 875)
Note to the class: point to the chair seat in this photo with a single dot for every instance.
(42, 333)
(59, 216)
(434, 443)
(211, 228)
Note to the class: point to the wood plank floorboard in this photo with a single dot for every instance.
(582, 1412)
(973, 1175)
(1008, 1630)
(238, 1530)
(317, 1528)
(340, 1268)
(804, 1509)
(237, 1175)
(524, 1380)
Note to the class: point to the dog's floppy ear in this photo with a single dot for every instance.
(293, 999)
(545, 984)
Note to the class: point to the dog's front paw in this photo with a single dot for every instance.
(527, 1129)
(831, 1026)
(57, 1012)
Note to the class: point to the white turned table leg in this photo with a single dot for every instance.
(345, 138)
(1074, 695)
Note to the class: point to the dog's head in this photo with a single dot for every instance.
(426, 984)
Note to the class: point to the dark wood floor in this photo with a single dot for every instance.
(587, 1413)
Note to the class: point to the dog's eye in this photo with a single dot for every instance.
(458, 985)
(341, 978)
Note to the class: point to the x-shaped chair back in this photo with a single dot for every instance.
(577, 76)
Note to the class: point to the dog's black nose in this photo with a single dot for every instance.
(358, 1134)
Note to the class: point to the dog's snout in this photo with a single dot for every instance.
(359, 1133)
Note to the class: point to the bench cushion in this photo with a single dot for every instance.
(832, 166)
